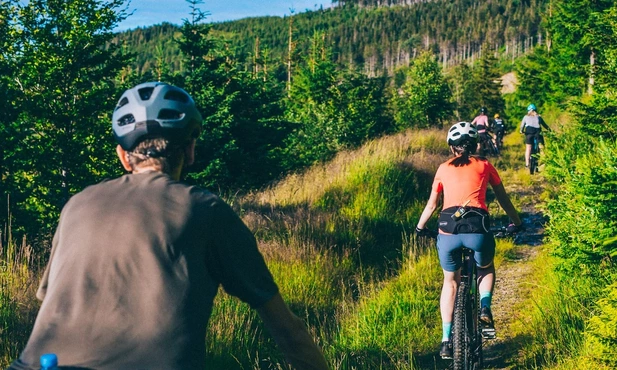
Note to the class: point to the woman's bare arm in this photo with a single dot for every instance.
(505, 203)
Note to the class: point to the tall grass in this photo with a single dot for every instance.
(19, 277)
(336, 239)
(553, 317)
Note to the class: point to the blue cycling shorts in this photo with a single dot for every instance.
(449, 248)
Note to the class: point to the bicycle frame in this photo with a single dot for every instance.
(466, 333)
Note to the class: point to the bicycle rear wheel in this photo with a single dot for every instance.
(533, 160)
(494, 148)
(460, 334)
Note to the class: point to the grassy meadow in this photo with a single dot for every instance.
(339, 241)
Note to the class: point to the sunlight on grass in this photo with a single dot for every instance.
(19, 277)
(310, 186)
(553, 317)
(398, 317)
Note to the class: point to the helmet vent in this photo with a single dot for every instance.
(169, 114)
(176, 96)
(126, 119)
(122, 102)
(146, 93)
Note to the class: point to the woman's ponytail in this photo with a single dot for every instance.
(463, 152)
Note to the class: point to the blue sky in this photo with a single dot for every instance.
(149, 12)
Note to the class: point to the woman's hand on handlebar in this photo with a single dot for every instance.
(424, 232)
(513, 229)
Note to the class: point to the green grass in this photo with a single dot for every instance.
(553, 317)
(19, 276)
(336, 239)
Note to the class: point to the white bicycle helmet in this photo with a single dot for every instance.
(155, 109)
(462, 132)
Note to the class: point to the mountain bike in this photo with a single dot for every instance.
(499, 138)
(487, 146)
(466, 332)
(533, 159)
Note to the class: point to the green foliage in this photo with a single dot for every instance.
(397, 318)
(425, 97)
(582, 162)
(463, 93)
(557, 316)
(333, 109)
(587, 203)
(386, 34)
(536, 82)
(486, 84)
(151, 43)
(374, 39)
(562, 68)
(61, 72)
(243, 128)
(364, 195)
(601, 334)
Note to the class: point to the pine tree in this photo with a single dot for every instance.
(487, 84)
(243, 129)
(65, 66)
(425, 99)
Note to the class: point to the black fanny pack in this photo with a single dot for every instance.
(464, 220)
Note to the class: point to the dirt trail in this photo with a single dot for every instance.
(511, 285)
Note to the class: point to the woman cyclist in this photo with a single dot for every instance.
(482, 125)
(531, 126)
(463, 180)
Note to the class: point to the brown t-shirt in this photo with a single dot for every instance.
(134, 268)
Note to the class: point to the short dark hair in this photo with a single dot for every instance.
(160, 153)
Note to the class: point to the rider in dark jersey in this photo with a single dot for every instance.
(137, 261)
(499, 128)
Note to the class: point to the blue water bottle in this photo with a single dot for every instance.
(49, 361)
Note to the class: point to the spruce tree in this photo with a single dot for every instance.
(65, 66)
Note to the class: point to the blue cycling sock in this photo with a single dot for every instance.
(447, 329)
(485, 299)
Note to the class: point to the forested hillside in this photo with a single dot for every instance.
(340, 248)
(374, 36)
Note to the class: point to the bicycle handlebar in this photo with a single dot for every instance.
(426, 233)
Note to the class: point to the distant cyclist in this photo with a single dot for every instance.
(463, 181)
(531, 126)
(136, 261)
(482, 125)
(499, 128)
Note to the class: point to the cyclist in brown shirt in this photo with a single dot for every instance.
(137, 261)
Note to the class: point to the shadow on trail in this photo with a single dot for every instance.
(501, 355)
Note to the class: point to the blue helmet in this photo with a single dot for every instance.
(531, 107)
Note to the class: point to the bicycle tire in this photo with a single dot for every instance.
(532, 165)
(533, 160)
(477, 359)
(494, 148)
(460, 334)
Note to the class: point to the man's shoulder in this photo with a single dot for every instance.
(154, 183)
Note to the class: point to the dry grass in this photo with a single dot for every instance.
(419, 147)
